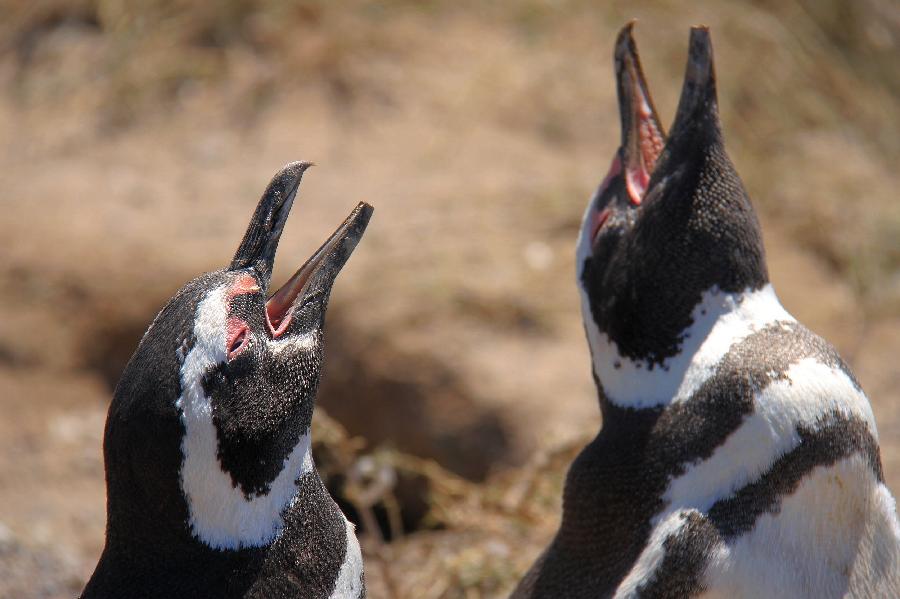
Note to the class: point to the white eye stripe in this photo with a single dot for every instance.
(210, 326)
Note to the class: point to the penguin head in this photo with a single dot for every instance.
(670, 222)
(208, 431)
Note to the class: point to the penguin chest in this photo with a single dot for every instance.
(773, 483)
(835, 536)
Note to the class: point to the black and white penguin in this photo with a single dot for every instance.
(738, 455)
(211, 486)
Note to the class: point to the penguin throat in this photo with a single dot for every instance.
(718, 321)
(220, 514)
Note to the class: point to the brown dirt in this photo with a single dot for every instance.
(131, 156)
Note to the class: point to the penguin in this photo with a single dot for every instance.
(738, 455)
(211, 486)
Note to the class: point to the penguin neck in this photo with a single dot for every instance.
(167, 559)
(220, 514)
(718, 320)
(316, 545)
(201, 509)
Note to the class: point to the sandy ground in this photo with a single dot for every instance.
(455, 331)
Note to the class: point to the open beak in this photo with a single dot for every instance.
(643, 137)
(316, 277)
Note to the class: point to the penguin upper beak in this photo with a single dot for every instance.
(643, 137)
(257, 249)
(317, 275)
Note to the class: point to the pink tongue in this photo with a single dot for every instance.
(279, 306)
(636, 181)
(278, 316)
(649, 146)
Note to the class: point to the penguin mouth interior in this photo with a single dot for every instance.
(281, 305)
(635, 164)
(646, 144)
(643, 137)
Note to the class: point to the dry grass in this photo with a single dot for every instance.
(478, 533)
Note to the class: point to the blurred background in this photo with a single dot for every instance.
(136, 137)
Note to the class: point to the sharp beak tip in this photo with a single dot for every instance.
(288, 177)
(625, 54)
(700, 57)
(297, 166)
(366, 209)
(625, 39)
(359, 220)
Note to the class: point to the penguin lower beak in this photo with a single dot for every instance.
(260, 242)
(643, 137)
(317, 275)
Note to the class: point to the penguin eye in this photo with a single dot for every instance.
(238, 337)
